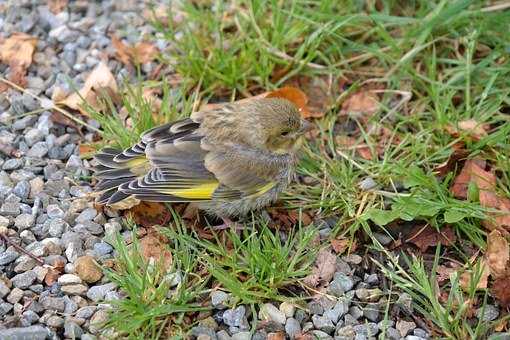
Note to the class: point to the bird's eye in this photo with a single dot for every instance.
(285, 133)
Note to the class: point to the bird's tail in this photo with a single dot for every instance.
(116, 167)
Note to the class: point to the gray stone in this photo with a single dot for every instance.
(235, 317)
(371, 312)
(24, 280)
(5, 308)
(24, 221)
(15, 295)
(367, 329)
(12, 164)
(85, 312)
(54, 211)
(341, 283)
(223, 335)
(405, 327)
(25, 333)
(24, 263)
(340, 308)
(38, 150)
(199, 331)
(490, 313)
(102, 248)
(392, 334)
(323, 323)
(29, 317)
(53, 303)
(57, 227)
(97, 293)
(86, 215)
(315, 308)
(8, 256)
(69, 279)
(219, 299)
(292, 327)
(320, 335)
(72, 330)
(367, 183)
(269, 312)
(421, 333)
(22, 189)
(356, 312)
(352, 258)
(88, 336)
(242, 336)
(10, 209)
(55, 321)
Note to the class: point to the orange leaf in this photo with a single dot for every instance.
(425, 237)
(498, 253)
(470, 127)
(362, 103)
(17, 51)
(467, 276)
(86, 150)
(294, 95)
(501, 290)
(143, 52)
(323, 270)
(148, 214)
(152, 247)
(340, 245)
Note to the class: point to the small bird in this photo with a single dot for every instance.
(230, 160)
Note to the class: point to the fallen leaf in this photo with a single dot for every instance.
(474, 172)
(155, 248)
(340, 245)
(470, 127)
(99, 81)
(148, 214)
(362, 103)
(501, 290)
(425, 237)
(86, 150)
(142, 52)
(459, 152)
(294, 95)
(444, 273)
(347, 142)
(497, 254)
(51, 277)
(467, 276)
(57, 6)
(323, 270)
(17, 51)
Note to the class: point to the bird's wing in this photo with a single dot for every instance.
(177, 172)
(242, 171)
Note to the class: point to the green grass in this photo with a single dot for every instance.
(256, 265)
(438, 63)
(153, 307)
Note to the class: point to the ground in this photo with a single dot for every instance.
(395, 226)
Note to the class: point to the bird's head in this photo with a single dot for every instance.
(279, 123)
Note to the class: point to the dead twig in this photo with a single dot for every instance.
(20, 249)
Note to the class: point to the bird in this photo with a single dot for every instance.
(229, 160)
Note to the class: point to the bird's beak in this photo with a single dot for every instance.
(305, 126)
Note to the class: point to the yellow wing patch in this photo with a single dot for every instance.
(262, 190)
(201, 191)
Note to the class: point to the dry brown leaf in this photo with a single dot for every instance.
(86, 150)
(474, 171)
(498, 253)
(17, 51)
(276, 336)
(362, 103)
(347, 142)
(323, 269)
(444, 273)
(470, 127)
(473, 168)
(340, 245)
(425, 237)
(467, 276)
(99, 81)
(143, 52)
(122, 51)
(57, 6)
(501, 290)
(153, 247)
(148, 214)
(459, 152)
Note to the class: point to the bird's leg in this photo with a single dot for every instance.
(228, 224)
